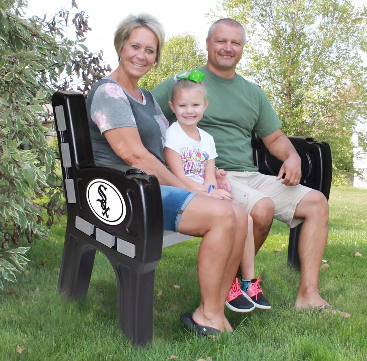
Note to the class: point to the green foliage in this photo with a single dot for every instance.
(34, 53)
(306, 55)
(54, 144)
(12, 261)
(179, 53)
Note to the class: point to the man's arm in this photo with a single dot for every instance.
(282, 148)
(162, 95)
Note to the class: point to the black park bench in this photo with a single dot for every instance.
(118, 211)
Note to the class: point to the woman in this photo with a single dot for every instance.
(128, 127)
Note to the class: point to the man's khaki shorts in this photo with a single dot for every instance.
(247, 188)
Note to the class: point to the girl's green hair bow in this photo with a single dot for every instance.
(194, 75)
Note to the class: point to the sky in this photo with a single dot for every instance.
(190, 17)
(187, 16)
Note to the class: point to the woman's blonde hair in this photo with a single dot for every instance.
(132, 22)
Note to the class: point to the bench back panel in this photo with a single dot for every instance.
(71, 107)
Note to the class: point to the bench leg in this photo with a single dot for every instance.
(76, 268)
(135, 293)
(293, 257)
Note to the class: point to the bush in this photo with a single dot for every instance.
(34, 53)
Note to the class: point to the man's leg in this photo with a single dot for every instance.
(314, 209)
(310, 206)
(292, 205)
(245, 192)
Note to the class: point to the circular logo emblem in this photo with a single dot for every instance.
(106, 202)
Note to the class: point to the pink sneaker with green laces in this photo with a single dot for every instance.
(255, 294)
(237, 301)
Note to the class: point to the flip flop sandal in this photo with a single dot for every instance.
(334, 311)
(197, 329)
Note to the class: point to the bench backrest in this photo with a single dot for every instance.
(76, 122)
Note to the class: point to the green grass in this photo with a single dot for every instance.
(33, 315)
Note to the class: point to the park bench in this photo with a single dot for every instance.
(118, 211)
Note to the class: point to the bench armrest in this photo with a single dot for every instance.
(315, 157)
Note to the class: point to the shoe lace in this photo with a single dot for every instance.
(256, 287)
(235, 289)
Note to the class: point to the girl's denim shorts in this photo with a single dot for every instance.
(174, 202)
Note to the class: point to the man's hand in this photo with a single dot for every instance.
(282, 148)
(292, 170)
(222, 180)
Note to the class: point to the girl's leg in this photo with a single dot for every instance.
(248, 258)
(242, 219)
(218, 258)
(235, 299)
(252, 286)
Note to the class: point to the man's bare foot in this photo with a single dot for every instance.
(217, 321)
(334, 311)
(304, 304)
(307, 306)
(309, 300)
(325, 307)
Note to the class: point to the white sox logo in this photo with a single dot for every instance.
(103, 201)
(106, 202)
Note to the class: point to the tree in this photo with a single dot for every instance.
(179, 53)
(306, 55)
(34, 55)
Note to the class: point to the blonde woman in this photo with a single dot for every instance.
(128, 127)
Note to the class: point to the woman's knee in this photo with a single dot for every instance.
(203, 214)
(224, 213)
(217, 213)
(222, 221)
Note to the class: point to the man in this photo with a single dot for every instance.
(236, 107)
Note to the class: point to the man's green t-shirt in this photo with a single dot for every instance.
(236, 107)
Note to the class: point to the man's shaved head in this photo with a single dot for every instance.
(229, 22)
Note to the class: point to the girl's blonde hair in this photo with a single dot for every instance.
(187, 84)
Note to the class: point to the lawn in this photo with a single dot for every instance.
(37, 319)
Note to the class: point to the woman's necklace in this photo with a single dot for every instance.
(131, 90)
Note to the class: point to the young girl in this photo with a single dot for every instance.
(190, 154)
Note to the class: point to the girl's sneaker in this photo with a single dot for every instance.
(236, 301)
(255, 294)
